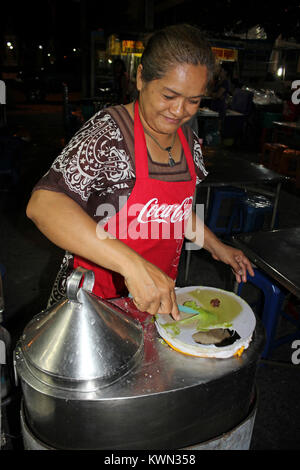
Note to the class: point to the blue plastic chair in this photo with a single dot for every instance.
(255, 211)
(271, 311)
(246, 213)
(223, 221)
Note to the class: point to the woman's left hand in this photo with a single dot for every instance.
(234, 258)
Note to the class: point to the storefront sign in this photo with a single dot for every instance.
(126, 46)
(132, 46)
(225, 54)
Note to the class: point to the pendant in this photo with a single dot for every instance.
(171, 161)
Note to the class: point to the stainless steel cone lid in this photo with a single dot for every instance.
(82, 343)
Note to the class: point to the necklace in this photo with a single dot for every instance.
(166, 149)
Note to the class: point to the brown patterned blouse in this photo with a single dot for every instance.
(97, 166)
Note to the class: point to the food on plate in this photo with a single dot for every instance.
(218, 337)
(202, 321)
(214, 313)
(228, 309)
(212, 336)
(208, 328)
(215, 302)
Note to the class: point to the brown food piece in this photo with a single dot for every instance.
(215, 302)
(214, 336)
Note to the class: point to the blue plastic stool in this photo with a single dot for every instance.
(272, 309)
(219, 221)
(255, 209)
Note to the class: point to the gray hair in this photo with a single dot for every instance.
(173, 45)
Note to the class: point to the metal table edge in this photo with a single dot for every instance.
(256, 259)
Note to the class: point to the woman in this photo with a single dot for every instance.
(119, 195)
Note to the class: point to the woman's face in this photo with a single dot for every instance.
(168, 102)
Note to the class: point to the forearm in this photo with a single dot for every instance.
(211, 242)
(67, 225)
(197, 232)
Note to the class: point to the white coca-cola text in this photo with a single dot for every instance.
(165, 213)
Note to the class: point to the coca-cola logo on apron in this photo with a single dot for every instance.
(146, 220)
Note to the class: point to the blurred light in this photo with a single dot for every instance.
(11, 47)
(40, 46)
(74, 50)
(109, 61)
(49, 55)
(280, 71)
(8, 44)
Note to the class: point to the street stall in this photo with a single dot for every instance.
(98, 374)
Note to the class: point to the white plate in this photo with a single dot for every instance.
(240, 314)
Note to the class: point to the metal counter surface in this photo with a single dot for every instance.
(162, 368)
(277, 252)
(168, 401)
(224, 171)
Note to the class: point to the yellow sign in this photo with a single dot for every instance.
(114, 47)
(132, 46)
(225, 54)
(117, 47)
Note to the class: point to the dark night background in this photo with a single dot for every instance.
(61, 19)
(63, 28)
(37, 129)
(63, 22)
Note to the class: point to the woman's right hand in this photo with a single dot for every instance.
(58, 217)
(151, 289)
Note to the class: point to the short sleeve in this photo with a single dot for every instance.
(201, 172)
(88, 161)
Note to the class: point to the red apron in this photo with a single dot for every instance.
(152, 221)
